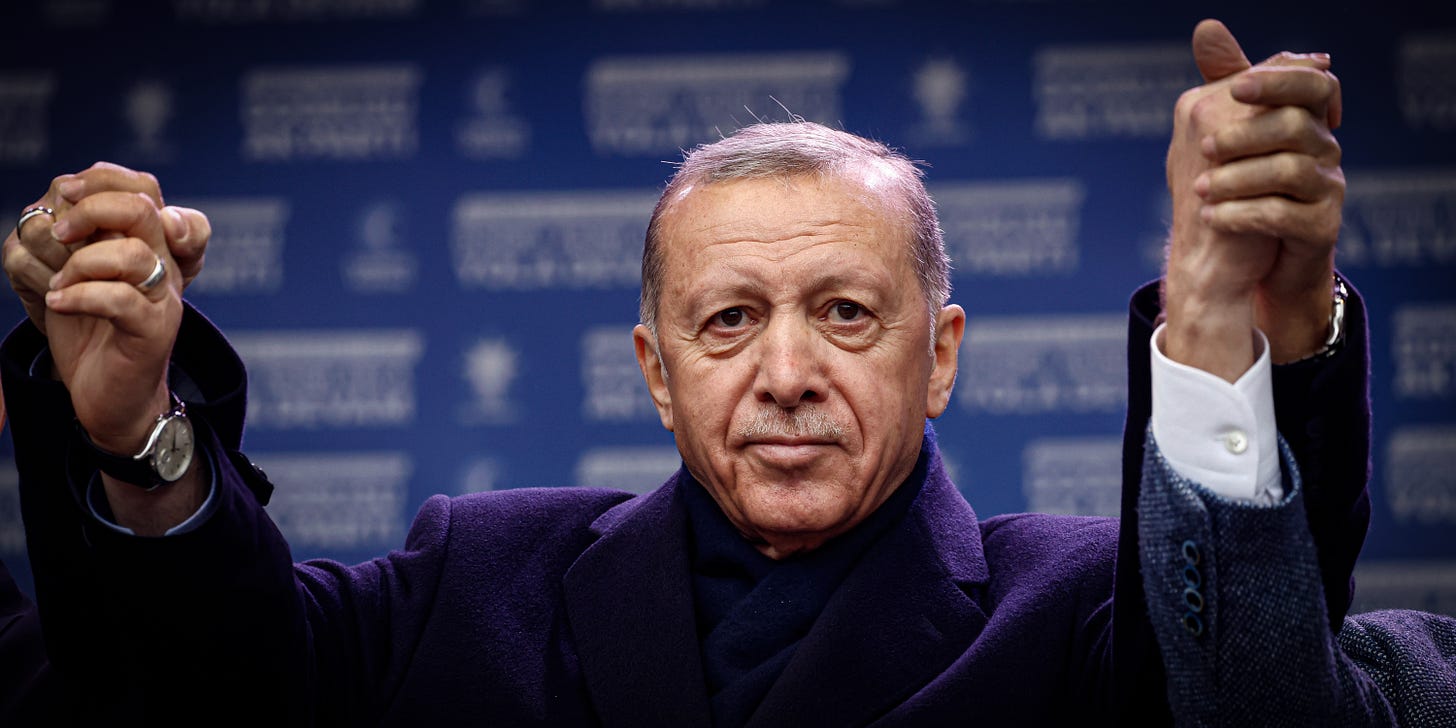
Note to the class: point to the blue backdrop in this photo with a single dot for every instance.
(428, 218)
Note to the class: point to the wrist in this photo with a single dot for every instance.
(128, 438)
(1303, 326)
(1215, 335)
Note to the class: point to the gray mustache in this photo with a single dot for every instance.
(797, 422)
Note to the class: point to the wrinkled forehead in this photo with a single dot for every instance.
(868, 193)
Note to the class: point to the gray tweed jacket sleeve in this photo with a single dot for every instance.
(1235, 599)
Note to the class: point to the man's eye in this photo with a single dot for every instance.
(847, 311)
(730, 318)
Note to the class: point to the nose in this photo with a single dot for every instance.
(790, 371)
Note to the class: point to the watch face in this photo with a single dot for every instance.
(173, 452)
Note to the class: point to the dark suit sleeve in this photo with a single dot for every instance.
(212, 621)
(30, 691)
(1235, 598)
(1322, 408)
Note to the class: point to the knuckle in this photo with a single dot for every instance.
(1187, 101)
(135, 250)
(1293, 169)
(14, 257)
(1292, 121)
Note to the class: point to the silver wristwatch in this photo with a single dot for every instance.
(164, 458)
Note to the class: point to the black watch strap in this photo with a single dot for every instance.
(135, 469)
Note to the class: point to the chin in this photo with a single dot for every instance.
(796, 513)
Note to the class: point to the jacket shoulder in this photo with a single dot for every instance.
(526, 516)
(1040, 548)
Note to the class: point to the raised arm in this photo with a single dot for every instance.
(1233, 577)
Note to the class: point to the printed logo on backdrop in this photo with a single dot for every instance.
(147, 109)
(1080, 476)
(25, 105)
(1428, 585)
(1420, 474)
(494, 129)
(1424, 351)
(336, 501)
(490, 366)
(1427, 86)
(1014, 365)
(353, 113)
(256, 11)
(1110, 92)
(1011, 227)
(481, 475)
(380, 262)
(493, 8)
(939, 87)
(633, 469)
(12, 530)
(245, 255)
(75, 13)
(330, 378)
(534, 241)
(632, 5)
(611, 378)
(660, 105)
(1399, 218)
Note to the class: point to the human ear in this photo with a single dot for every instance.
(654, 372)
(950, 326)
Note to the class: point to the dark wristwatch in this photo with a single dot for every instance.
(163, 459)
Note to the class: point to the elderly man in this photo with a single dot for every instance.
(811, 563)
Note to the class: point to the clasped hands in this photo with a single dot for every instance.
(1257, 190)
(79, 270)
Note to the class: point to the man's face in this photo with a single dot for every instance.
(798, 353)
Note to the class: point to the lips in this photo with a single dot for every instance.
(787, 452)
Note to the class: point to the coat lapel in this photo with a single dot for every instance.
(900, 618)
(629, 603)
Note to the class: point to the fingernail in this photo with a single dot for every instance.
(54, 280)
(53, 298)
(1200, 185)
(1206, 213)
(72, 189)
(1325, 56)
(176, 225)
(1208, 146)
(60, 229)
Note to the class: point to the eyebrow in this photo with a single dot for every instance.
(749, 284)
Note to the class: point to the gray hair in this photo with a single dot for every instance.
(788, 149)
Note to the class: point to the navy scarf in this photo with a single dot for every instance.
(751, 610)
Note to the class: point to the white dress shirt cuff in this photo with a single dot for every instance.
(1222, 436)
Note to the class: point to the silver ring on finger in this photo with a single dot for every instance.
(33, 211)
(159, 271)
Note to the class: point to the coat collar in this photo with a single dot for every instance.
(901, 617)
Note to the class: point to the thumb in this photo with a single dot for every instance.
(188, 232)
(1217, 53)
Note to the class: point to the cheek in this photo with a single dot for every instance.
(705, 397)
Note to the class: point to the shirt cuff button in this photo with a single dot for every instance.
(1236, 441)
